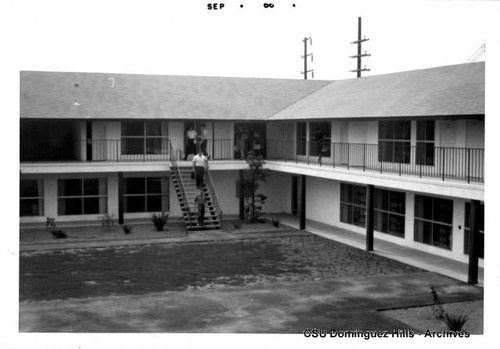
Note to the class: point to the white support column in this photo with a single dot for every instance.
(50, 199)
(409, 218)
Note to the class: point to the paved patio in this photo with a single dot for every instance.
(336, 297)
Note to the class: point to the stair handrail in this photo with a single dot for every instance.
(175, 167)
(213, 193)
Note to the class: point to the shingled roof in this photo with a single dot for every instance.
(443, 91)
(127, 96)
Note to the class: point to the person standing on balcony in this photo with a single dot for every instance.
(325, 148)
(199, 201)
(243, 142)
(200, 165)
(318, 139)
(203, 139)
(190, 142)
(257, 144)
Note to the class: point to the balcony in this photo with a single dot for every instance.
(151, 149)
(445, 163)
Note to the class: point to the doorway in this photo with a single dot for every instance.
(249, 136)
(196, 136)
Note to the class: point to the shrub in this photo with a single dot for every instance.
(159, 220)
(455, 322)
(107, 221)
(127, 229)
(58, 234)
(50, 224)
(276, 222)
(254, 176)
(437, 307)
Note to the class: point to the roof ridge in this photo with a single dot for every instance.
(300, 99)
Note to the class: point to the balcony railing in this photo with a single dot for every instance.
(463, 164)
(96, 150)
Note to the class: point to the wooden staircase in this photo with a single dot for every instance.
(185, 189)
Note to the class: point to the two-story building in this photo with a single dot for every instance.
(411, 142)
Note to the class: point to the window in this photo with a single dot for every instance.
(146, 194)
(301, 138)
(320, 136)
(144, 137)
(79, 196)
(353, 204)
(389, 209)
(394, 141)
(480, 221)
(31, 197)
(425, 142)
(433, 221)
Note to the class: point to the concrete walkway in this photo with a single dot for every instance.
(416, 258)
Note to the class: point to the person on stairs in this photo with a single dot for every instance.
(200, 165)
(199, 201)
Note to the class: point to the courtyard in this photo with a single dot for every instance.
(254, 279)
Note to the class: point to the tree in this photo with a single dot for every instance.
(254, 176)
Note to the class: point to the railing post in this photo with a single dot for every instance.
(333, 154)
(443, 161)
(348, 156)
(284, 149)
(364, 157)
(295, 150)
(308, 151)
(468, 165)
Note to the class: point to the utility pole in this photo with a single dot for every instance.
(359, 55)
(305, 40)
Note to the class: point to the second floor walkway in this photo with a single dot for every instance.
(441, 163)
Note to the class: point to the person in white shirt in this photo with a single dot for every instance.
(190, 146)
(200, 165)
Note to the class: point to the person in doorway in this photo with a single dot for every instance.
(318, 139)
(203, 139)
(243, 142)
(257, 144)
(199, 201)
(325, 148)
(190, 142)
(200, 165)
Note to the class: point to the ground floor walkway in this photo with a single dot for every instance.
(420, 259)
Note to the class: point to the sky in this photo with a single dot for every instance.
(185, 38)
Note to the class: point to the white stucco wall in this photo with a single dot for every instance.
(225, 184)
(322, 200)
(278, 191)
(475, 133)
